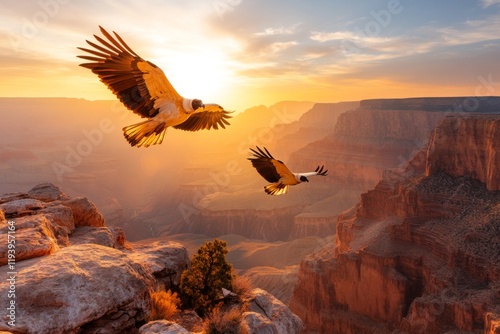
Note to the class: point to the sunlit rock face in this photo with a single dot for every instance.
(266, 314)
(73, 273)
(420, 252)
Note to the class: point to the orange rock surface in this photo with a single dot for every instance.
(420, 253)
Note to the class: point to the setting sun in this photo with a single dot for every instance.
(204, 74)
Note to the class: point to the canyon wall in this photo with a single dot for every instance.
(382, 134)
(456, 150)
(269, 225)
(313, 125)
(420, 253)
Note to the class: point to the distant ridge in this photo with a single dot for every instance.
(485, 104)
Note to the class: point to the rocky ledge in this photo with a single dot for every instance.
(62, 270)
(420, 253)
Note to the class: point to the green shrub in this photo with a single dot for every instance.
(201, 285)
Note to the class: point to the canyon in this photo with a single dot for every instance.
(400, 237)
(420, 252)
(357, 142)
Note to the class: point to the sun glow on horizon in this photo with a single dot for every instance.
(249, 54)
(198, 75)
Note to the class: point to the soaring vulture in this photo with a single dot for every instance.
(143, 88)
(277, 172)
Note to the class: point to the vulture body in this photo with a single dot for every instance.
(276, 172)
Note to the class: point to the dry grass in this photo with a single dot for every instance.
(164, 305)
(242, 286)
(224, 322)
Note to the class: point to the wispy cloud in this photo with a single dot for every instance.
(349, 40)
(279, 31)
(488, 3)
(322, 36)
(472, 31)
(425, 39)
(318, 46)
(280, 46)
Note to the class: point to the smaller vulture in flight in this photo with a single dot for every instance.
(143, 88)
(276, 172)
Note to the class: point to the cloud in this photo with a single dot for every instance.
(321, 36)
(280, 46)
(351, 42)
(360, 48)
(472, 31)
(279, 31)
(488, 3)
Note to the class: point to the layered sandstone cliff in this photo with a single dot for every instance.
(381, 134)
(313, 125)
(420, 253)
(456, 151)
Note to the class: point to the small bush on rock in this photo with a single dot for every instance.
(224, 322)
(164, 305)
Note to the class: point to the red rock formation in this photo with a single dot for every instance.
(379, 135)
(312, 224)
(162, 326)
(313, 125)
(85, 212)
(457, 150)
(421, 252)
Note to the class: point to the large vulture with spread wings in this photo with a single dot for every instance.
(277, 172)
(143, 88)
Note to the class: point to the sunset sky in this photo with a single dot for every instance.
(242, 53)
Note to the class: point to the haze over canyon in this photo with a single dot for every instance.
(402, 236)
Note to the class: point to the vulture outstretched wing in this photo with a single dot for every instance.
(136, 82)
(206, 118)
(268, 167)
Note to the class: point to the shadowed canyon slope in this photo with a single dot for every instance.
(420, 253)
